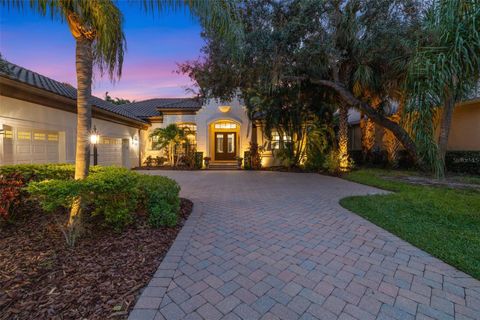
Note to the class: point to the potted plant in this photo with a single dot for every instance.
(207, 161)
(239, 161)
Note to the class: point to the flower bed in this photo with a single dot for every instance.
(43, 278)
(128, 223)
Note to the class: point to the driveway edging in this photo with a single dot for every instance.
(147, 305)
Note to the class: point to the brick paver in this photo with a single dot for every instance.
(268, 245)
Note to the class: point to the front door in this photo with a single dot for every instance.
(225, 144)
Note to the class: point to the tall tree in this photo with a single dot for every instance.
(445, 70)
(354, 51)
(97, 27)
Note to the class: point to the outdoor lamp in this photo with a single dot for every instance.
(95, 139)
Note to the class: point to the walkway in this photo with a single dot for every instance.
(267, 245)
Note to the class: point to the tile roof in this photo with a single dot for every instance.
(36, 80)
(153, 107)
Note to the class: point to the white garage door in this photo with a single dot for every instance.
(35, 146)
(109, 151)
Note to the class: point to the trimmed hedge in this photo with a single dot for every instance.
(114, 193)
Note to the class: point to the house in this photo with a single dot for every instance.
(38, 124)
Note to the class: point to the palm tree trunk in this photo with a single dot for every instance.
(343, 138)
(84, 68)
(84, 65)
(445, 124)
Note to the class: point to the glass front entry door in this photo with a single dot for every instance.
(225, 145)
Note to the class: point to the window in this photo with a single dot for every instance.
(52, 137)
(24, 135)
(39, 136)
(191, 128)
(8, 134)
(225, 125)
(275, 143)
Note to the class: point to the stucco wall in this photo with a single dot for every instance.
(465, 130)
(21, 114)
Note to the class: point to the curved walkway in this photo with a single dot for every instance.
(268, 245)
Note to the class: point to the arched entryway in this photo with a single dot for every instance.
(224, 136)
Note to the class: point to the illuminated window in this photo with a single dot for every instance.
(191, 129)
(8, 134)
(52, 137)
(24, 135)
(225, 125)
(275, 143)
(39, 136)
(189, 126)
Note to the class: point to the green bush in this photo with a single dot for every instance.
(198, 160)
(53, 194)
(113, 192)
(39, 172)
(159, 196)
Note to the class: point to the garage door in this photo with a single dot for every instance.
(109, 151)
(35, 146)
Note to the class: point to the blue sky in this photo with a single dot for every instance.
(155, 44)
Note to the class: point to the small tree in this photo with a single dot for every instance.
(169, 139)
(446, 68)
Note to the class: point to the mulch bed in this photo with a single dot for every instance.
(42, 278)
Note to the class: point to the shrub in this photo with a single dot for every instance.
(159, 196)
(332, 162)
(11, 193)
(113, 192)
(39, 172)
(54, 194)
(198, 160)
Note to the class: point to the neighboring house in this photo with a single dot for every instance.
(38, 124)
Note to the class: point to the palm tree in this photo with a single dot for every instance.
(97, 27)
(445, 70)
(170, 138)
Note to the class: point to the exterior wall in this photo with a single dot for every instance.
(465, 130)
(21, 114)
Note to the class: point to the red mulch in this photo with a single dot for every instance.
(42, 278)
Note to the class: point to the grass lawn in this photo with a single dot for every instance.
(442, 221)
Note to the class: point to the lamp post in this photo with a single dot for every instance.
(94, 139)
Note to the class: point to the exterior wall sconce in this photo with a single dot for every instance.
(135, 141)
(95, 139)
(224, 109)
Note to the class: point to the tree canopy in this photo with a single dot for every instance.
(333, 52)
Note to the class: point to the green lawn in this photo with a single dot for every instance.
(442, 221)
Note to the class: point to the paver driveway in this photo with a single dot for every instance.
(267, 245)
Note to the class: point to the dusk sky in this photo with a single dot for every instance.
(155, 44)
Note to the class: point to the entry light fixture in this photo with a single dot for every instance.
(94, 136)
(224, 109)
